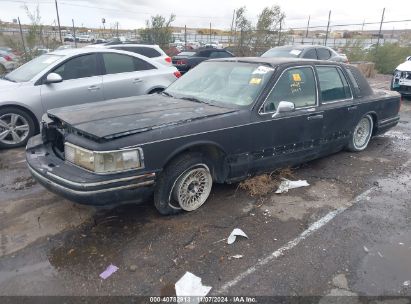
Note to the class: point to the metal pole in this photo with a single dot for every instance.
(74, 34)
(308, 25)
(185, 37)
(22, 38)
(58, 21)
(210, 32)
(231, 32)
(328, 26)
(117, 28)
(379, 32)
(279, 32)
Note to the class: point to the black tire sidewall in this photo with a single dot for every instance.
(169, 178)
(7, 110)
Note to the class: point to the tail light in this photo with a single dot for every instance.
(177, 74)
(168, 59)
(7, 57)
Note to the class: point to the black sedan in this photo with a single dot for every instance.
(318, 52)
(222, 122)
(187, 60)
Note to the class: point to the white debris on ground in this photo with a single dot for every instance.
(237, 256)
(236, 232)
(288, 184)
(190, 285)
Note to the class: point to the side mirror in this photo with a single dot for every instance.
(283, 107)
(53, 78)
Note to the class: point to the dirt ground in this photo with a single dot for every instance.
(348, 233)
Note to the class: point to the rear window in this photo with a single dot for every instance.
(142, 50)
(282, 52)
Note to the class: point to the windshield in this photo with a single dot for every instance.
(222, 83)
(27, 71)
(280, 52)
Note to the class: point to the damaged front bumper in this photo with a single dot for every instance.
(401, 82)
(81, 186)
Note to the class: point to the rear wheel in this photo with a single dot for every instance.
(185, 184)
(362, 134)
(16, 127)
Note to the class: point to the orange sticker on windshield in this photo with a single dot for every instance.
(296, 77)
(255, 80)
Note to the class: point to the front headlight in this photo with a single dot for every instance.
(104, 161)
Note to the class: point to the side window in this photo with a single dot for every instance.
(141, 65)
(296, 85)
(218, 55)
(203, 54)
(323, 54)
(117, 63)
(333, 84)
(145, 51)
(78, 67)
(310, 54)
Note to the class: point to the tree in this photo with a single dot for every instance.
(242, 32)
(158, 30)
(268, 28)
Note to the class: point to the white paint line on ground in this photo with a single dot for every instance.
(291, 244)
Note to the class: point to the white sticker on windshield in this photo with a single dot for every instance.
(262, 70)
(295, 52)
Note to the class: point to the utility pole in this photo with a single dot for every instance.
(117, 29)
(279, 32)
(379, 32)
(74, 34)
(185, 37)
(328, 26)
(231, 32)
(22, 38)
(58, 21)
(308, 25)
(210, 32)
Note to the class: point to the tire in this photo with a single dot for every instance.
(184, 185)
(16, 127)
(361, 135)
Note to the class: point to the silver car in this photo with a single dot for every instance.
(71, 77)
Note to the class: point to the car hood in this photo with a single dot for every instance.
(125, 116)
(405, 66)
(8, 85)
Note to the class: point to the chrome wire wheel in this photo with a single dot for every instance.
(14, 128)
(193, 188)
(362, 132)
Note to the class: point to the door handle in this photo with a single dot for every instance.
(352, 108)
(137, 80)
(315, 116)
(93, 88)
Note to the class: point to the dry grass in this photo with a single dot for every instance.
(264, 184)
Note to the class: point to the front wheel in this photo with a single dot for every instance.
(16, 127)
(185, 184)
(362, 134)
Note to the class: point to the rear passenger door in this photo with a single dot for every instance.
(337, 103)
(125, 76)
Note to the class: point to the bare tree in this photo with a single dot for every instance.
(242, 32)
(158, 30)
(268, 28)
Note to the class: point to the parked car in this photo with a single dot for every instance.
(8, 61)
(307, 52)
(151, 51)
(222, 122)
(401, 80)
(186, 62)
(70, 38)
(69, 77)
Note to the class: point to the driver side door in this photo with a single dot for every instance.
(82, 83)
(291, 137)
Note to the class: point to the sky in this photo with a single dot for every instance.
(131, 14)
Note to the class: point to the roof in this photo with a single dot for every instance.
(300, 46)
(85, 50)
(273, 61)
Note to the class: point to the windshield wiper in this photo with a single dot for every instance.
(166, 93)
(192, 99)
(6, 78)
